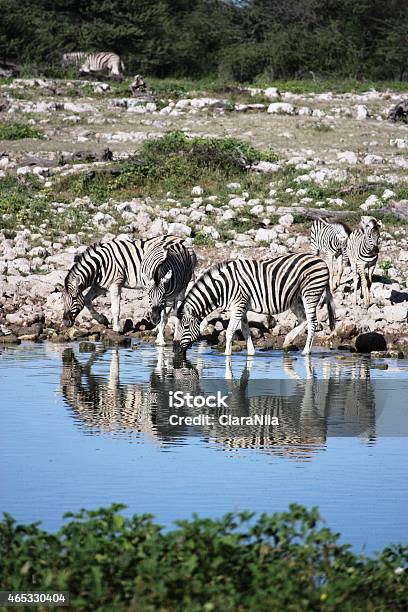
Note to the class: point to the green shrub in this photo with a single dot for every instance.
(17, 131)
(286, 561)
(203, 239)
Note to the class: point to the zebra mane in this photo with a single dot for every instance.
(78, 258)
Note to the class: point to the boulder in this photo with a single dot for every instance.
(370, 341)
(281, 108)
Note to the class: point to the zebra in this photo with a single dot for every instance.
(362, 250)
(166, 274)
(268, 286)
(106, 266)
(94, 62)
(330, 240)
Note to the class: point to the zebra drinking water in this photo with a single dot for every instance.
(94, 62)
(166, 274)
(269, 286)
(330, 240)
(107, 266)
(362, 250)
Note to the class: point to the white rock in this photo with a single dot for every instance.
(286, 220)
(281, 108)
(373, 159)
(207, 102)
(265, 167)
(348, 157)
(151, 107)
(272, 92)
(400, 143)
(265, 235)
(388, 193)
(396, 313)
(237, 203)
(304, 110)
(197, 190)
(103, 219)
(371, 202)
(257, 209)
(361, 112)
(159, 226)
(179, 229)
(184, 103)
(233, 186)
(78, 108)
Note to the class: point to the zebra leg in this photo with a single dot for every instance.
(246, 332)
(299, 311)
(93, 293)
(234, 323)
(340, 267)
(364, 286)
(160, 341)
(370, 273)
(114, 292)
(355, 279)
(330, 264)
(312, 324)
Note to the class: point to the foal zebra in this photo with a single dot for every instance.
(166, 274)
(107, 266)
(267, 286)
(362, 250)
(330, 240)
(94, 62)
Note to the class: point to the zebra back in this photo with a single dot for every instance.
(73, 59)
(267, 285)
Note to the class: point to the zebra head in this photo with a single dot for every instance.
(156, 292)
(73, 302)
(371, 228)
(189, 331)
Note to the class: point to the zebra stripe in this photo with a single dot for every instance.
(330, 240)
(362, 250)
(166, 273)
(268, 286)
(107, 266)
(94, 62)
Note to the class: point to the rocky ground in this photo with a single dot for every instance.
(335, 153)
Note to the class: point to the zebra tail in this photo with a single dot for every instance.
(331, 309)
(122, 65)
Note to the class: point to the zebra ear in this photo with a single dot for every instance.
(58, 288)
(379, 224)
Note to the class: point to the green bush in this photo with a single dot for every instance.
(286, 561)
(17, 131)
(173, 163)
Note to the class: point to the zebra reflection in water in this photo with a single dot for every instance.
(308, 408)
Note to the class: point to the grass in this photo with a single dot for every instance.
(18, 131)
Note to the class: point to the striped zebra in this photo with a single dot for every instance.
(362, 250)
(330, 241)
(270, 286)
(107, 266)
(94, 62)
(166, 274)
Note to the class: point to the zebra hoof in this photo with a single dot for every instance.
(305, 352)
(103, 321)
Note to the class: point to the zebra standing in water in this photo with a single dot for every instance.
(269, 286)
(107, 266)
(94, 62)
(362, 250)
(166, 274)
(330, 240)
